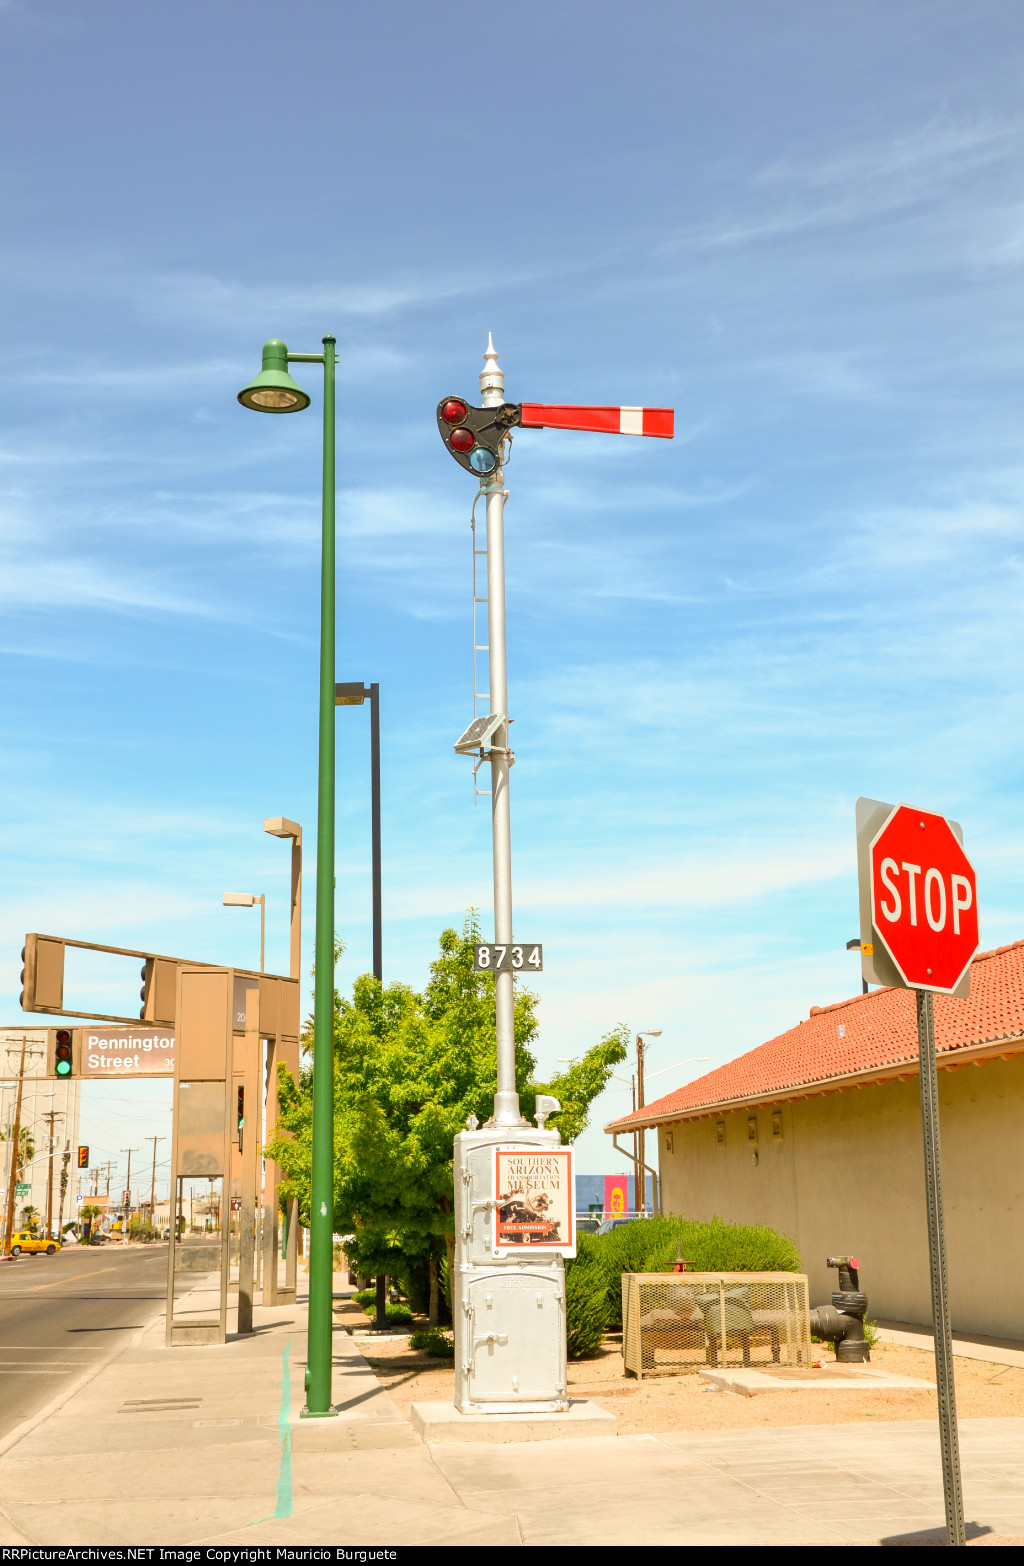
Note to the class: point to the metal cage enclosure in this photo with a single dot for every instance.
(677, 1322)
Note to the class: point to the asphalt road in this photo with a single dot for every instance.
(60, 1314)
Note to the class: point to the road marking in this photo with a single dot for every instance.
(285, 1505)
(285, 1502)
(75, 1275)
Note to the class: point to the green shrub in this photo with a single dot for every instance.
(650, 1245)
(445, 1281)
(413, 1280)
(434, 1341)
(395, 1315)
(364, 1298)
(586, 1303)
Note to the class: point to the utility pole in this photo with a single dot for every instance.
(636, 1146)
(353, 693)
(51, 1116)
(640, 1196)
(15, 1147)
(152, 1182)
(63, 1188)
(128, 1191)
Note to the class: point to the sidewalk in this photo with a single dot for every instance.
(224, 1460)
(966, 1345)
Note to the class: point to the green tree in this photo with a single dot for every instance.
(25, 1150)
(409, 1071)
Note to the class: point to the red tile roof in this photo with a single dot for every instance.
(861, 1035)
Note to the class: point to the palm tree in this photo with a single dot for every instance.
(25, 1150)
(29, 1216)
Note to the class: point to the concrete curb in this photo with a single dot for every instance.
(28, 1425)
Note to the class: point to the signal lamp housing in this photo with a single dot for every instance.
(474, 435)
(62, 1052)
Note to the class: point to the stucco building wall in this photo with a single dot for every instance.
(843, 1174)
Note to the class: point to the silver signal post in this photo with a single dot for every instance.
(514, 1203)
(492, 488)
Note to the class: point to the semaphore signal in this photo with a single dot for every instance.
(474, 435)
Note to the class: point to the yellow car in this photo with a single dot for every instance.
(32, 1244)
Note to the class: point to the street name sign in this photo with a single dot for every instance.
(126, 1052)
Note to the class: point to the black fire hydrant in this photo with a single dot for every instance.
(842, 1322)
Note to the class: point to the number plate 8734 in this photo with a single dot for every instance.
(520, 958)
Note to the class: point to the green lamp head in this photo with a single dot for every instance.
(273, 390)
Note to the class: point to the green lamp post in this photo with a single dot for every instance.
(274, 391)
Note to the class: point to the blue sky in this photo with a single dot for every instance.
(801, 225)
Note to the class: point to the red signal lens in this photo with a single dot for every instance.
(462, 440)
(453, 411)
(63, 1035)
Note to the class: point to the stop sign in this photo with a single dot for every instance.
(924, 899)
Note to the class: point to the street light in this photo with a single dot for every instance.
(249, 900)
(638, 1136)
(127, 1194)
(280, 826)
(636, 1083)
(856, 946)
(353, 695)
(274, 391)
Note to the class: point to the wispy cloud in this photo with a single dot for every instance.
(856, 185)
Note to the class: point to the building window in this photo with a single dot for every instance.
(720, 1133)
(669, 1142)
(777, 1125)
(752, 1129)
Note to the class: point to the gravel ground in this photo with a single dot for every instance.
(984, 1391)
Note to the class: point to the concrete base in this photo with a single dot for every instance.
(830, 1378)
(190, 1336)
(443, 1422)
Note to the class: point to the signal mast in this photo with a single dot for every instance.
(509, 1290)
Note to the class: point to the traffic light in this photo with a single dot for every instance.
(474, 435)
(62, 1060)
(83, 1158)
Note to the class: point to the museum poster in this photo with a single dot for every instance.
(535, 1205)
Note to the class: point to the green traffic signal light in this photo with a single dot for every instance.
(62, 1055)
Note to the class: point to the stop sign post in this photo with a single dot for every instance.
(919, 931)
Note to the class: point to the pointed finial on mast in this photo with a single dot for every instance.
(492, 379)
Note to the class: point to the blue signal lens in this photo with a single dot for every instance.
(62, 1068)
(482, 461)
